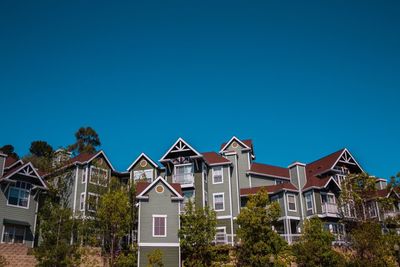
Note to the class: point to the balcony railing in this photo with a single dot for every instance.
(391, 214)
(184, 178)
(328, 208)
(221, 238)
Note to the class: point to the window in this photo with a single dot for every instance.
(93, 201)
(143, 174)
(82, 202)
(184, 174)
(328, 198)
(14, 234)
(217, 175)
(309, 201)
(83, 176)
(159, 225)
(291, 202)
(218, 201)
(18, 194)
(98, 176)
(220, 235)
(278, 181)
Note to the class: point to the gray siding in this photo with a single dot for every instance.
(257, 180)
(219, 188)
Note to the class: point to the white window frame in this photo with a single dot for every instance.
(309, 194)
(3, 231)
(222, 175)
(83, 180)
(82, 201)
(97, 201)
(326, 197)
(19, 189)
(144, 172)
(224, 232)
(97, 182)
(165, 226)
(295, 204)
(223, 201)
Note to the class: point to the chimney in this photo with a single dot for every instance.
(297, 171)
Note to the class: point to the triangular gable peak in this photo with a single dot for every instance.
(139, 158)
(347, 158)
(101, 154)
(237, 141)
(180, 149)
(330, 182)
(26, 170)
(176, 194)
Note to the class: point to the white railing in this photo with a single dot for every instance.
(391, 214)
(329, 208)
(184, 178)
(221, 238)
(290, 238)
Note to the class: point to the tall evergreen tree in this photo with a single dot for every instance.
(87, 141)
(41, 149)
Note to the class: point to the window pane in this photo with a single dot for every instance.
(19, 234)
(159, 226)
(13, 196)
(8, 234)
(24, 196)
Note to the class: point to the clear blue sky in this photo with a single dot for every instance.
(301, 79)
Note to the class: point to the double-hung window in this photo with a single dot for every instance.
(83, 173)
(291, 202)
(218, 201)
(184, 174)
(217, 175)
(98, 176)
(159, 225)
(93, 201)
(18, 194)
(143, 175)
(14, 234)
(309, 201)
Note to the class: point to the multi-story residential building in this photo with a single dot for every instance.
(20, 187)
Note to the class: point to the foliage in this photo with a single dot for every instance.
(371, 246)
(56, 225)
(9, 151)
(221, 254)
(155, 258)
(259, 243)
(196, 235)
(41, 149)
(127, 259)
(87, 140)
(3, 261)
(114, 217)
(315, 246)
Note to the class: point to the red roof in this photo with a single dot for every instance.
(247, 142)
(141, 186)
(269, 170)
(270, 189)
(10, 161)
(213, 158)
(83, 157)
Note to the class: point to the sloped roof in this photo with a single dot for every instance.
(10, 161)
(269, 188)
(269, 170)
(213, 158)
(247, 142)
(323, 164)
(141, 186)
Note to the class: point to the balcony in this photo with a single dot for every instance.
(329, 209)
(221, 238)
(290, 238)
(391, 214)
(184, 179)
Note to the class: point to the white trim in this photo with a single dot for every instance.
(97, 200)
(223, 201)
(230, 141)
(144, 172)
(237, 182)
(137, 159)
(295, 204)
(222, 175)
(268, 175)
(289, 217)
(76, 189)
(224, 217)
(86, 186)
(84, 201)
(312, 201)
(97, 183)
(35, 221)
(230, 203)
(33, 169)
(18, 206)
(173, 146)
(159, 244)
(346, 150)
(83, 175)
(2, 235)
(156, 181)
(165, 224)
(203, 184)
(104, 154)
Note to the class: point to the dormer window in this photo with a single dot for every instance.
(184, 174)
(98, 176)
(18, 194)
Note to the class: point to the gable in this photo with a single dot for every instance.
(235, 143)
(28, 172)
(143, 162)
(142, 189)
(180, 149)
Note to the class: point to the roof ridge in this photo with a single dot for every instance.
(340, 150)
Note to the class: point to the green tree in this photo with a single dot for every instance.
(56, 225)
(155, 258)
(41, 149)
(196, 235)
(114, 217)
(314, 248)
(87, 141)
(9, 150)
(259, 244)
